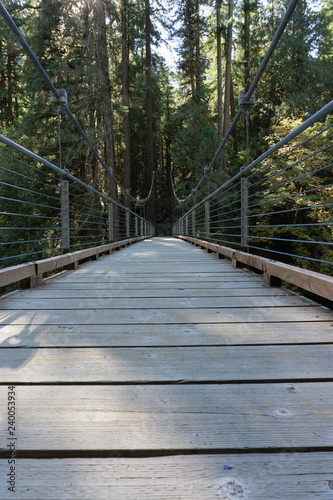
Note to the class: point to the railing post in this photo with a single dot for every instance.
(136, 227)
(193, 223)
(127, 224)
(186, 225)
(145, 228)
(244, 211)
(141, 227)
(111, 216)
(65, 228)
(207, 220)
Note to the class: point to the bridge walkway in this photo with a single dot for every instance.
(161, 372)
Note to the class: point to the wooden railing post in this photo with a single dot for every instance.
(65, 228)
(193, 223)
(186, 225)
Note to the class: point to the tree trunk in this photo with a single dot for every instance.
(219, 70)
(246, 45)
(197, 65)
(149, 110)
(125, 96)
(233, 114)
(168, 162)
(106, 111)
(228, 69)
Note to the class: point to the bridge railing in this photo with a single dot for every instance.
(280, 206)
(46, 213)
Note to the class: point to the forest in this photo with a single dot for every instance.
(146, 115)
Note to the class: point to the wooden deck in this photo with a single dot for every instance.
(161, 372)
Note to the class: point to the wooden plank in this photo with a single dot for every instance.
(171, 417)
(157, 285)
(72, 293)
(167, 364)
(153, 279)
(53, 263)
(214, 266)
(158, 273)
(17, 273)
(308, 280)
(165, 316)
(92, 335)
(153, 303)
(287, 476)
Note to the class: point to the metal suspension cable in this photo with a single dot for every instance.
(16, 32)
(285, 20)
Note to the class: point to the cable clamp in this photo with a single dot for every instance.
(62, 99)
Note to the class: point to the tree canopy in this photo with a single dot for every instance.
(144, 116)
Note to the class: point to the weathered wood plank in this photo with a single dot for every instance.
(165, 335)
(215, 266)
(157, 278)
(171, 417)
(308, 280)
(104, 303)
(167, 364)
(129, 284)
(72, 293)
(204, 477)
(17, 273)
(165, 316)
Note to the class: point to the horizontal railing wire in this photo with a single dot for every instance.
(45, 213)
(280, 206)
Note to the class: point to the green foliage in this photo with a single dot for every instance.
(294, 199)
(80, 46)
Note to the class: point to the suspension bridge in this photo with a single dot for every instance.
(135, 366)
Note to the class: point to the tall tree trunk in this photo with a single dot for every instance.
(219, 70)
(125, 95)
(246, 45)
(106, 111)
(247, 69)
(228, 68)
(168, 161)
(149, 109)
(197, 66)
(233, 114)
